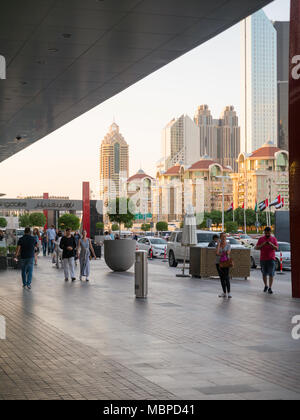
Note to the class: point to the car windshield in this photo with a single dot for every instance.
(284, 247)
(233, 241)
(158, 242)
(204, 237)
(245, 237)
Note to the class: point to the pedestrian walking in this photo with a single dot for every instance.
(112, 235)
(107, 236)
(214, 242)
(36, 235)
(51, 233)
(68, 246)
(84, 251)
(25, 249)
(268, 245)
(44, 242)
(223, 263)
(57, 254)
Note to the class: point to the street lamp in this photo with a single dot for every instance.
(227, 178)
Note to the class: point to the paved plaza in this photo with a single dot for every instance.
(96, 341)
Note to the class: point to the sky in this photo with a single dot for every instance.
(60, 162)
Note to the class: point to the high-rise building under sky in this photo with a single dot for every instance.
(259, 82)
(114, 163)
(283, 48)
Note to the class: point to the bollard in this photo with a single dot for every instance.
(151, 254)
(141, 275)
(165, 256)
(281, 265)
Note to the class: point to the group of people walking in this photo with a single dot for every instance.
(267, 245)
(71, 247)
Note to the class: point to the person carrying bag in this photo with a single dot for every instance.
(224, 263)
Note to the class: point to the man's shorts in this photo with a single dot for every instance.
(268, 268)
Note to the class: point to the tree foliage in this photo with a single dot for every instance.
(121, 211)
(24, 221)
(37, 219)
(70, 221)
(145, 227)
(231, 227)
(162, 226)
(3, 222)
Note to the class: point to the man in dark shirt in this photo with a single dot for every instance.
(26, 248)
(68, 245)
(214, 242)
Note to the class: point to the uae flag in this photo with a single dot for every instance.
(230, 209)
(280, 205)
(256, 207)
(263, 205)
(276, 202)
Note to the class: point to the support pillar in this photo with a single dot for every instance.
(86, 223)
(46, 197)
(294, 144)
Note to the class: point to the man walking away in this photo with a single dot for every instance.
(26, 248)
(51, 233)
(268, 245)
(68, 245)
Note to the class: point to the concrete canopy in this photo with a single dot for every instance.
(65, 57)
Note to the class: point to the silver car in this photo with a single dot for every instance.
(158, 246)
(284, 248)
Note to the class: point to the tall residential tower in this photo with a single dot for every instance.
(259, 82)
(114, 164)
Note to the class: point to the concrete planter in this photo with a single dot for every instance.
(119, 255)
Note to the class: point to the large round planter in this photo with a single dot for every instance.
(119, 255)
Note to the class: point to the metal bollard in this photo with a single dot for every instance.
(141, 274)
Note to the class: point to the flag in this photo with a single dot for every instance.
(276, 202)
(263, 205)
(243, 206)
(280, 205)
(256, 207)
(231, 208)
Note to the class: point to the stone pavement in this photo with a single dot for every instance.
(96, 341)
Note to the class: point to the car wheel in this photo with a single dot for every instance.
(253, 265)
(172, 261)
(277, 264)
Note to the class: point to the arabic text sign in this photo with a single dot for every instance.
(37, 205)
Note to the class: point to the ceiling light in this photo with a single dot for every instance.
(67, 36)
(53, 50)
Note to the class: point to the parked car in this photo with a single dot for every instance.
(158, 246)
(247, 240)
(284, 247)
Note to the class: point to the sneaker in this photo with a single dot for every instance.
(266, 289)
(29, 287)
(223, 295)
(87, 280)
(270, 291)
(73, 279)
(229, 296)
(66, 280)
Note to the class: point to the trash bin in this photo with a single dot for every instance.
(141, 274)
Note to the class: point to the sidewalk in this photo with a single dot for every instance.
(95, 340)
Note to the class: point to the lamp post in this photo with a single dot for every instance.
(223, 178)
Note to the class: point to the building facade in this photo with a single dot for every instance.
(229, 139)
(114, 164)
(258, 82)
(139, 189)
(180, 143)
(199, 185)
(283, 48)
(207, 132)
(263, 174)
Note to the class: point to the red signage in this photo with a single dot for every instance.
(294, 144)
(46, 197)
(86, 208)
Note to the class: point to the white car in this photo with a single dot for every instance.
(284, 248)
(247, 240)
(158, 246)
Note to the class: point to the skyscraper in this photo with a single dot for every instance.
(283, 46)
(229, 141)
(180, 143)
(208, 132)
(259, 82)
(114, 163)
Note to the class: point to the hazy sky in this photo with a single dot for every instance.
(210, 74)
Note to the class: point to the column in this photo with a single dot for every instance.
(46, 197)
(294, 144)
